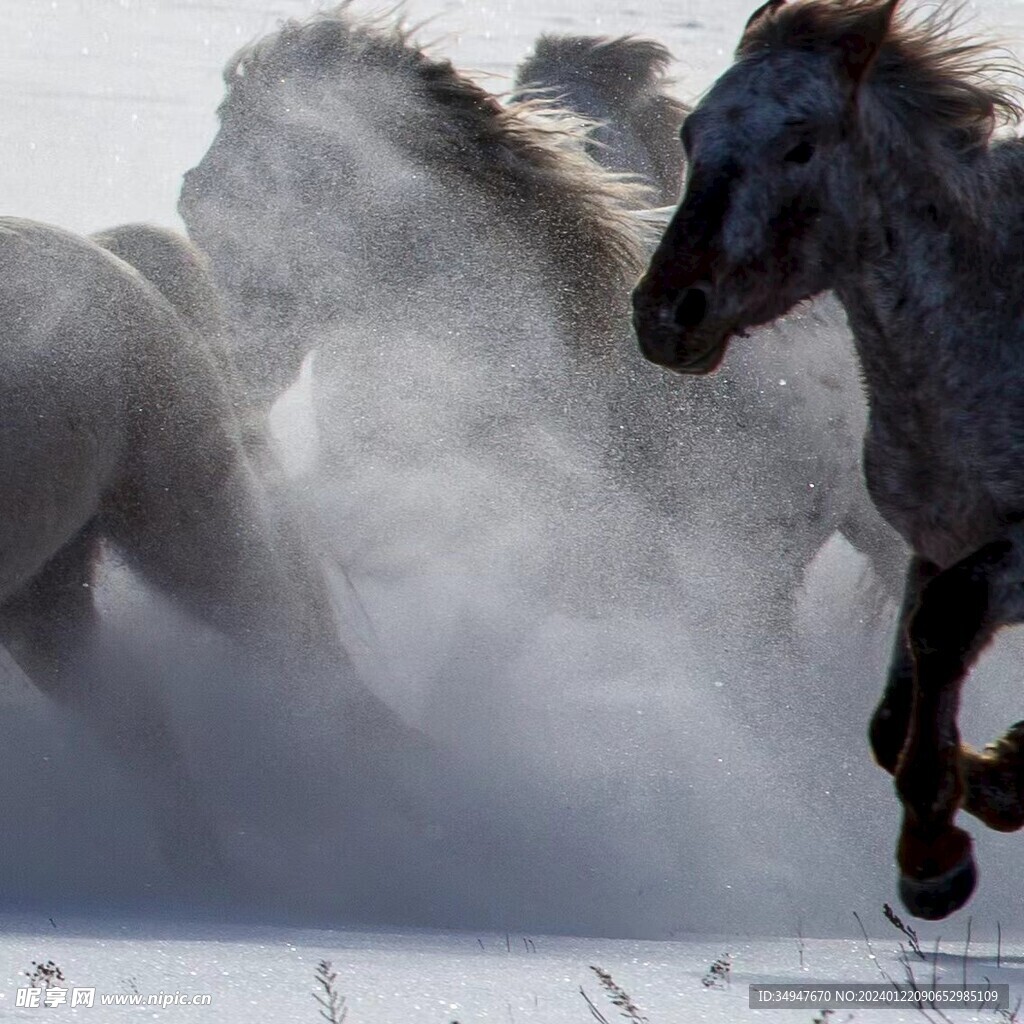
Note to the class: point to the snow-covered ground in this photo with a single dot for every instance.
(264, 974)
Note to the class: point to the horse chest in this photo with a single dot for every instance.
(941, 452)
(927, 484)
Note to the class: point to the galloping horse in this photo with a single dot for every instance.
(118, 429)
(365, 197)
(621, 85)
(851, 148)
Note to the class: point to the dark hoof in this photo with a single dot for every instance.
(938, 897)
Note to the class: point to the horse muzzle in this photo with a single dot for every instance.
(680, 334)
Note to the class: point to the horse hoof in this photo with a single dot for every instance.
(938, 897)
(994, 778)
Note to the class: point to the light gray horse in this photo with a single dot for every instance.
(424, 239)
(852, 149)
(348, 228)
(621, 85)
(361, 192)
(119, 431)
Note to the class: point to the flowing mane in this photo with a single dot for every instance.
(924, 71)
(525, 155)
(625, 68)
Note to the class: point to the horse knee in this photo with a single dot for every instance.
(887, 734)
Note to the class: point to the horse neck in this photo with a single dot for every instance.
(913, 284)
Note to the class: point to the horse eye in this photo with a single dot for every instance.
(800, 153)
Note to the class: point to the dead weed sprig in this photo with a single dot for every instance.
(719, 973)
(332, 1003)
(619, 998)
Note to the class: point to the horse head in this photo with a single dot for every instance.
(770, 191)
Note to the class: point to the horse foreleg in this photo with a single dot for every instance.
(959, 610)
(994, 780)
(994, 777)
(889, 724)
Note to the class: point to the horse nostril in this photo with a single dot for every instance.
(692, 307)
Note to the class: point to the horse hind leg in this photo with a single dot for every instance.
(50, 627)
(48, 622)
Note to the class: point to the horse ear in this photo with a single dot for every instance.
(859, 45)
(766, 8)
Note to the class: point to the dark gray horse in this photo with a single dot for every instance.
(620, 85)
(120, 433)
(852, 150)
